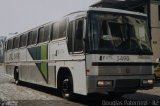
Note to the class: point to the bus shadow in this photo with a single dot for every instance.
(41, 88)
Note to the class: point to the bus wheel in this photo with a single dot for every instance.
(16, 76)
(66, 87)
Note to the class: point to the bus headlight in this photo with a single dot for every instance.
(147, 82)
(104, 83)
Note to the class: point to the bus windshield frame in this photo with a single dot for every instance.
(117, 33)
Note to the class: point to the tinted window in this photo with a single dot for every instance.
(5, 45)
(41, 35)
(55, 32)
(9, 44)
(16, 42)
(59, 29)
(47, 33)
(78, 39)
(32, 37)
(34, 34)
(62, 28)
(23, 40)
(70, 36)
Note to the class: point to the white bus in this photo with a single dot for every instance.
(100, 50)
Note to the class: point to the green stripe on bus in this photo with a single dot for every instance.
(44, 56)
(44, 52)
(44, 69)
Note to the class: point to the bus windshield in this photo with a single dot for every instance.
(118, 33)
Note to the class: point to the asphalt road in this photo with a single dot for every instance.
(33, 95)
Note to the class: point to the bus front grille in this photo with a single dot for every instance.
(124, 70)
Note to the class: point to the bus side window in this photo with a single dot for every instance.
(55, 31)
(59, 29)
(9, 44)
(47, 32)
(41, 35)
(78, 39)
(5, 45)
(70, 37)
(62, 28)
(23, 40)
(32, 37)
(34, 34)
(16, 42)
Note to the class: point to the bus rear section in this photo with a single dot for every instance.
(118, 52)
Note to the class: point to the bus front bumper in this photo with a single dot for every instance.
(125, 84)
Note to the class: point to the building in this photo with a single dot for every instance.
(151, 7)
(155, 27)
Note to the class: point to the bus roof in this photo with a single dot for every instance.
(116, 11)
(112, 10)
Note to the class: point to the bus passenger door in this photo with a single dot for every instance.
(76, 33)
(78, 36)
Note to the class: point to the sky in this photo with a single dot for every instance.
(22, 15)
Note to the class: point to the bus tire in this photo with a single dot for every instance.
(16, 75)
(66, 87)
